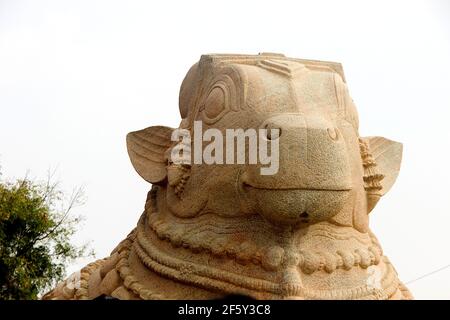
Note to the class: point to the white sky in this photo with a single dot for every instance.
(76, 76)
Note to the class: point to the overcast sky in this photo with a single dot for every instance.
(76, 76)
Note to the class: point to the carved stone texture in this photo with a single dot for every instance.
(212, 230)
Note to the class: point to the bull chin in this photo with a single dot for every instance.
(296, 207)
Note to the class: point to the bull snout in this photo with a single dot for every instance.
(314, 177)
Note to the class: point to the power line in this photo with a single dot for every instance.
(428, 274)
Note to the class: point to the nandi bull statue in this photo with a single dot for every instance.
(292, 227)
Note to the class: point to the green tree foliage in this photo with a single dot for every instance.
(35, 234)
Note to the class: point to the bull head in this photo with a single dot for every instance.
(327, 172)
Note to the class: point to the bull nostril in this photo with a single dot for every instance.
(272, 135)
(333, 133)
(304, 217)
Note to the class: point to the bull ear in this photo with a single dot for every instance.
(147, 150)
(388, 157)
(381, 160)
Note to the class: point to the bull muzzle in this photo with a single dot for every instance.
(313, 181)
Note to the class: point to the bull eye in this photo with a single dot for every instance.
(215, 103)
(333, 133)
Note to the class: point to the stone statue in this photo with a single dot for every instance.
(215, 229)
